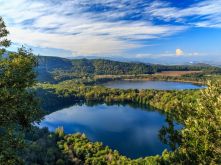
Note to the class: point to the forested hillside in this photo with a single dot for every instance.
(54, 69)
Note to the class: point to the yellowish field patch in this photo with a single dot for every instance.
(176, 73)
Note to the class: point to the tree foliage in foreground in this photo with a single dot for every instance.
(18, 106)
(81, 151)
(4, 42)
(201, 136)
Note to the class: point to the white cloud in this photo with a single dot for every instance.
(66, 25)
(207, 12)
(79, 44)
(179, 52)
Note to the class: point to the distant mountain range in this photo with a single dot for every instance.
(162, 60)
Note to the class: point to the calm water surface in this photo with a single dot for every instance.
(132, 131)
(142, 84)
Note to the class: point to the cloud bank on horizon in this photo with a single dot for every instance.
(111, 27)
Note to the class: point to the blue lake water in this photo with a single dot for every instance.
(142, 84)
(133, 131)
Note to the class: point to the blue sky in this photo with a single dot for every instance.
(157, 29)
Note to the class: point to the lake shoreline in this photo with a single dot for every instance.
(142, 84)
(168, 80)
(86, 119)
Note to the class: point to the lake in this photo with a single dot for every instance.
(133, 131)
(143, 84)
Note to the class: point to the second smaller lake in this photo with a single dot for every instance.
(143, 84)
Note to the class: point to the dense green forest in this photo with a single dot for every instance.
(23, 143)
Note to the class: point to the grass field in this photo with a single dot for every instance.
(176, 73)
(164, 73)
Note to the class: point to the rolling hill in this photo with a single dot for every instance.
(53, 69)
